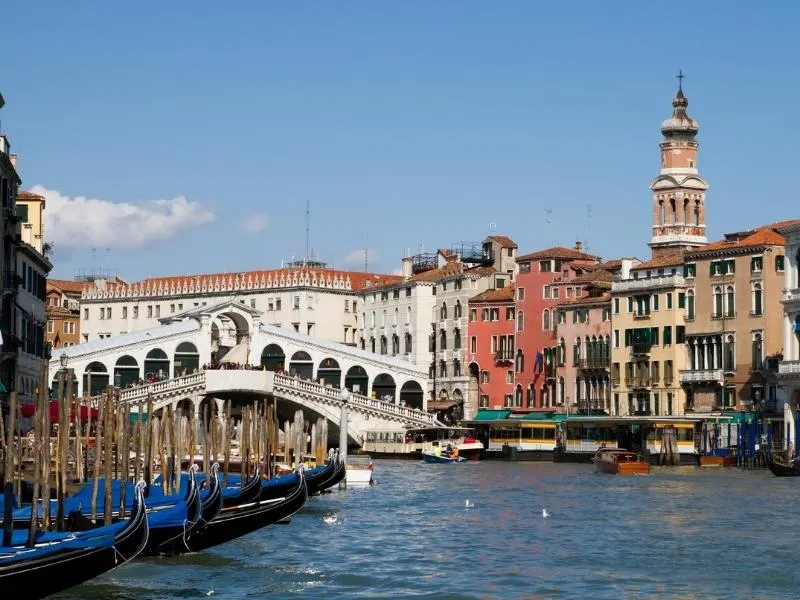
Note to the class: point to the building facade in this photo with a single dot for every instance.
(317, 301)
(30, 210)
(583, 346)
(490, 348)
(734, 321)
(789, 367)
(539, 288)
(63, 308)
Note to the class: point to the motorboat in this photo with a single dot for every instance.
(359, 470)
(618, 461)
(431, 456)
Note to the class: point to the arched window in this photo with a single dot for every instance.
(443, 311)
(716, 310)
(520, 321)
(661, 217)
(395, 344)
(456, 339)
(372, 345)
(408, 315)
(697, 212)
(730, 301)
(373, 318)
(457, 310)
(384, 345)
(730, 354)
(531, 400)
(546, 320)
(673, 211)
(456, 368)
(758, 299)
(576, 351)
(758, 352)
(690, 305)
(384, 322)
(408, 343)
(685, 214)
(562, 352)
(518, 397)
(520, 362)
(442, 368)
(443, 340)
(561, 390)
(396, 314)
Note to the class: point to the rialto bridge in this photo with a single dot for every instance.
(172, 363)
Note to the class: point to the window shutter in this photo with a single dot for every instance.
(627, 337)
(667, 335)
(711, 268)
(681, 300)
(753, 263)
(654, 336)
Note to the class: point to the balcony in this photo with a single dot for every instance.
(504, 356)
(789, 368)
(702, 376)
(641, 347)
(792, 295)
(602, 362)
(632, 285)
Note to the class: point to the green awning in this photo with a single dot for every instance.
(539, 416)
(134, 417)
(492, 415)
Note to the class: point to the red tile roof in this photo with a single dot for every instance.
(503, 240)
(756, 238)
(668, 260)
(66, 286)
(451, 268)
(559, 252)
(587, 300)
(504, 294)
(29, 196)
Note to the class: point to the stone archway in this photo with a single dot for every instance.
(228, 330)
(301, 365)
(156, 365)
(126, 371)
(186, 359)
(329, 372)
(95, 378)
(273, 358)
(356, 380)
(412, 395)
(384, 387)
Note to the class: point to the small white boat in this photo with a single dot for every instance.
(359, 470)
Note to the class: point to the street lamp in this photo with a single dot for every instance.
(63, 359)
(344, 395)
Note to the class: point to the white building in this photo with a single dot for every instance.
(789, 367)
(423, 318)
(314, 301)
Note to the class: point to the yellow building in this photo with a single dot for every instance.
(30, 210)
(649, 300)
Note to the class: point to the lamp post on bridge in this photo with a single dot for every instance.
(344, 395)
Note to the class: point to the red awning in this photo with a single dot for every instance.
(28, 410)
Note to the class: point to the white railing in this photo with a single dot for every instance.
(790, 295)
(629, 285)
(700, 375)
(335, 395)
(789, 367)
(160, 387)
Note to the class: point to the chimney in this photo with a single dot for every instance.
(407, 272)
(579, 246)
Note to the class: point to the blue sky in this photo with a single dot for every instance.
(405, 125)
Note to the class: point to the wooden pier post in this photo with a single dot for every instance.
(227, 444)
(108, 461)
(98, 455)
(124, 443)
(148, 446)
(37, 473)
(8, 473)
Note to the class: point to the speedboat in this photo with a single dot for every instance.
(618, 461)
(429, 456)
(359, 470)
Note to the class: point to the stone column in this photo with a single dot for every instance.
(787, 338)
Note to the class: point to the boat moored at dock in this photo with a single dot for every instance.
(617, 461)
(411, 443)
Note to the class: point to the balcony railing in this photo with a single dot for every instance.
(790, 295)
(702, 376)
(641, 347)
(504, 356)
(602, 362)
(630, 285)
(641, 315)
(789, 367)
(639, 381)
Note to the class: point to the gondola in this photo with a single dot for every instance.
(316, 476)
(783, 467)
(212, 503)
(234, 521)
(338, 474)
(169, 527)
(247, 492)
(60, 561)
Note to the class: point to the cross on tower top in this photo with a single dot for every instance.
(680, 77)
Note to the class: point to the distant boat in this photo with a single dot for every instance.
(617, 461)
(429, 457)
(783, 467)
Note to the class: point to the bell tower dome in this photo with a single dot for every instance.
(679, 193)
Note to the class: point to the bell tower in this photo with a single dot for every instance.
(679, 193)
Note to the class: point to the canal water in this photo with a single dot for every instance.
(677, 533)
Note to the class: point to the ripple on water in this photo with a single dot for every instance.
(678, 533)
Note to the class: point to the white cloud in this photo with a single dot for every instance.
(87, 222)
(255, 222)
(397, 271)
(356, 257)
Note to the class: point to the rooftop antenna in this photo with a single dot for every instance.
(308, 226)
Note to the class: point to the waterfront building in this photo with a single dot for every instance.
(649, 300)
(583, 341)
(789, 367)
(63, 308)
(490, 349)
(310, 299)
(539, 289)
(734, 321)
(24, 272)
